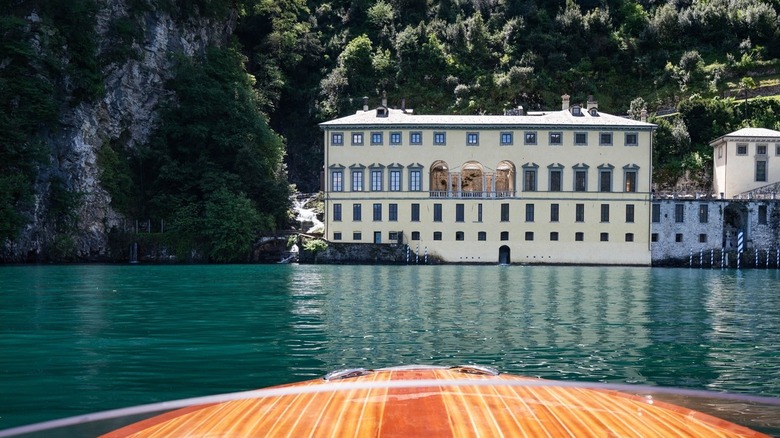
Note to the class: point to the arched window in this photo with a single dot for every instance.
(505, 178)
(471, 177)
(440, 173)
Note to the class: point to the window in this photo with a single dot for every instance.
(505, 235)
(337, 139)
(395, 138)
(604, 237)
(720, 152)
(581, 180)
(472, 138)
(629, 213)
(336, 181)
(357, 212)
(529, 235)
(554, 212)
(437, 235)
(630, 186)
(393, 236)
(415, 180)
(760, 149)
(479, 212)
(580, 138)
(337, 235)
(482, 235)
(415, 212)
(656, 213)
(337, 212)
(504, 212)
(439, 138)
(702, 238)
(679, 213)
(629, 237)
(742, 149)
(777, 149)
(376, 180)
(632, 139)
(579, 213)
(376, 138)
(357, 235)
(654, 237)
(415, 235)
(357, 139)
(704, 213)
(415, 137)
(530, 137)
(761, 170)
(392, 212)
(437, 212)
(395, 180)
(507, 138)
(556, 176)
(357, 180)
(553, 236)
(579, 236)
(556, 138)
(459, 235)
(605, 180)
(604, 212)
(529, 212)
(762, 214)
(529, 180)
(605, 139)
(678, 237)
(459, 212)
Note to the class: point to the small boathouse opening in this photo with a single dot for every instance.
(503, 255)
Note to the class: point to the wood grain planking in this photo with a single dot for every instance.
(404, 406)
(438, 410)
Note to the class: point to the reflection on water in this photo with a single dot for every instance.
(78, 339)
(550, 322)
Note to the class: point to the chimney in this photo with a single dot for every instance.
(643, 115)
(565, 103)
(520, 110)
(384, 98)
(592, 103)
(403, 105)
(365, 103)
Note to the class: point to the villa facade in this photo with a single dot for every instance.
(570, 186)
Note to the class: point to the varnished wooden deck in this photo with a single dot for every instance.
(438, 411)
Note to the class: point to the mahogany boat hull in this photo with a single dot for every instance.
(449, 402)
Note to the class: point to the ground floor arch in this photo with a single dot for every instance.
(504, 255)
(735, 221)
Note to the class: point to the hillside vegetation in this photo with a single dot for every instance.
(482, 56)
(239, 114)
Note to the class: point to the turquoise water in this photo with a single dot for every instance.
(79, 339)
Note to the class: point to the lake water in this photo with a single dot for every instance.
(80, 339)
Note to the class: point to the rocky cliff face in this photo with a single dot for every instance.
(125, 115)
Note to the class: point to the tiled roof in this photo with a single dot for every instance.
(749, 133)
(399, 118)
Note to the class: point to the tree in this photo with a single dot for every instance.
(215, 149)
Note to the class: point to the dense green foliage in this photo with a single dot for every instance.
(25, 106)
(214, 167)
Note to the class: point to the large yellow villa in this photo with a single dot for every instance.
(569, 186)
